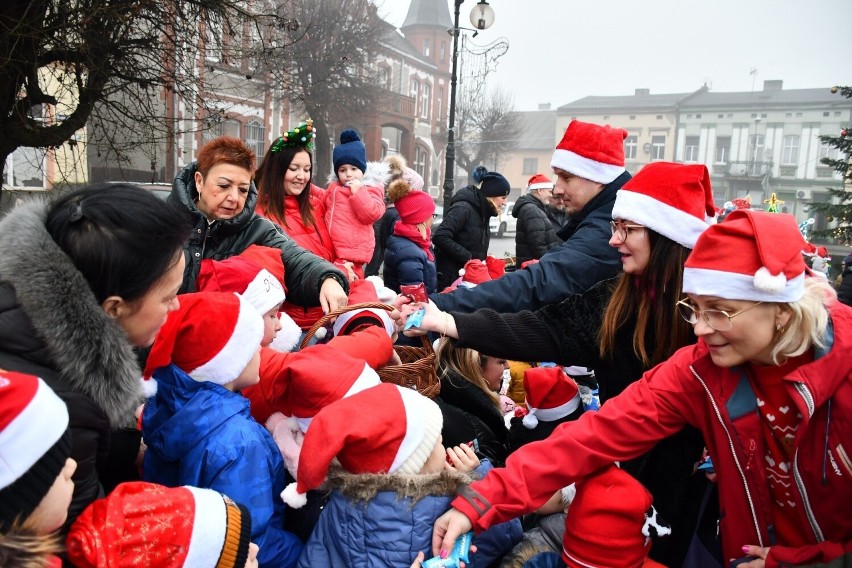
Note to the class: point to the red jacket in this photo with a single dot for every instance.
(690, 389)
(350, 219)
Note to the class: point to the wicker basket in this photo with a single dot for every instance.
(417, 370)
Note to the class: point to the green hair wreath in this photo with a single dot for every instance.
(300, 137)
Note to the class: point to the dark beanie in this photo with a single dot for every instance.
(494, 185)
(350, 151)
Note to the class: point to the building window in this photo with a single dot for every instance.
(421, 157)
(698, 115)
(427, 47)
(755, 147)
(630, 144)
(384, 77)
(632, 117)
(826, 113)
(231, 128)
(790, 153)
(213, 128)
(720, 116)
(443, 51)
(829, 152)
(441, 102)
(658, 147)
(691, 150)
(414, 90)
(530, 166)
(256, 137)
(659, 117)
(723, 150)
(426, 100)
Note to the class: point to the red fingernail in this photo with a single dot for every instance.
(444, 554)
(745, 550)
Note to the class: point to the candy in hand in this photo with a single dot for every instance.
(460, 553)
(415, 319)
(416, 292)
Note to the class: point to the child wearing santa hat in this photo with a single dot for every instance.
(145, 524)
(197, 426)
(392, 481)
(35, 470)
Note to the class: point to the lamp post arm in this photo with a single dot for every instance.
(449, 172)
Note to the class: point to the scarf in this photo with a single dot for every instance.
(411, 233)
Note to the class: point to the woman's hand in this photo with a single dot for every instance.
(331, 295)
(759, 553)
(447, 529)
(436, 320)
(462, 459)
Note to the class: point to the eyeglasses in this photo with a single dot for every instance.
(621, 229)
(720, 320)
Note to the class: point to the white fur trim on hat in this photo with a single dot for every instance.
(209, 525)
(736, 286)
(584, 167)
(30, 434)
(383, 315)
(384, 293)
(234, 357)
(551, 414)
(671, 222)
(548, 185)
(264, 292)
(424, 422)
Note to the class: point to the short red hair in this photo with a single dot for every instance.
(225, 150)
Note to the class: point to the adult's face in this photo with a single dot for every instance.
(633, 244)
(543, 195)
(575, 191)
(143, 318)
(555, 199)
(223, 191)
(498, 202)
(297, 175)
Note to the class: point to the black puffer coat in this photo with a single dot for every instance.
(535, 235)
(463, 234)
(844, 291)
(304, 271)
(52, 326)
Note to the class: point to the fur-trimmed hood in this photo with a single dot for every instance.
(365, 486)
(56, 321)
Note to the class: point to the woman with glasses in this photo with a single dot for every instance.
(621, 327)
(769, 384)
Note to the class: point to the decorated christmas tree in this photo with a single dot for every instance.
(839, 208)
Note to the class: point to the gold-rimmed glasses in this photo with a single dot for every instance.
(720, 320)
(620, 229)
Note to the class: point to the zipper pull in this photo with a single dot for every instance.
(751, 447)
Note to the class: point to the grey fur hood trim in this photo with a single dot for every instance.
(377, 175)
(365, 486)
(88, 349)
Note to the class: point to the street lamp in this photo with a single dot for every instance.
(481, 17)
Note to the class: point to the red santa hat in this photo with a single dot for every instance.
(591, 151)
(496, 266)
(243, 276)
(320, 375)
(475, 272)
(34, 444)
(539, 181)
(675, 200)
(610, 522)
(361, 292)
(550, 395)
(384, 429)
(751, 255)
(212, 337)
(143, 524)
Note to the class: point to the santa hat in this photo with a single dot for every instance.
(496, 266)
(550, 395)
(361, 292)
(212, 337)
(610, 522)
(751, 255)
(143, 524)
(475, 272)
(413, 206)
(591, 151)
(539, 181)
(35, 443)
(675, 200)
(320, 375)
(243, 276)
(384, 429)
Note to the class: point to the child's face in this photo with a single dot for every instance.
(53, 508)
(250, 375)
(348, 172)
(271, 326)
(437, 458)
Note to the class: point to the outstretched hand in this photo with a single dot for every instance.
(447, 529)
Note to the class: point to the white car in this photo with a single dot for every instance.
(504, 222)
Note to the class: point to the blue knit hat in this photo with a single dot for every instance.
(350, 151)
(494, 185)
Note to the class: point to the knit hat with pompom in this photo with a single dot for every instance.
(412, 205)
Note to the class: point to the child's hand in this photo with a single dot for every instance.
(418, 559)
(461, 459)
(354, 185)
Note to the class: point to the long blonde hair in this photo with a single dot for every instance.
(808, 324)
(22, 547)
(465, 362)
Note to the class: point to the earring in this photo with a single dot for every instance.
(779, 328)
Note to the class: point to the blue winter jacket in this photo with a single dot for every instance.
(201, 434)
(385, 520)
(583, 260)
(407, 263)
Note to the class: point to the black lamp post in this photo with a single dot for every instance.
(481, 17)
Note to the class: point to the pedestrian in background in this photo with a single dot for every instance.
(535, 235)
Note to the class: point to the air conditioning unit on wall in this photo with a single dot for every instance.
(804, 194)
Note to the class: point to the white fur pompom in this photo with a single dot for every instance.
(461, 271)
(321, 333)
(568, 493)
(293, 498)
(530, 421)
(763, 280)
(288, 336)
(149, 387)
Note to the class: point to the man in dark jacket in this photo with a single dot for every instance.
(556, 213)
(589, 165)
(534, 235)
(844, 291)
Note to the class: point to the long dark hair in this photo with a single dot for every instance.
(121, 238)
(651, 298)
(270, 186)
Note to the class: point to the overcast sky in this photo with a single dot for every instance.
(563, 50)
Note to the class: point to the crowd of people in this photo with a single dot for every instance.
(647, 386)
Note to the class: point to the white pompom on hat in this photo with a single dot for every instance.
(751, 255)
(591, 151)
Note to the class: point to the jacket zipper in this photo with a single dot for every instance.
(809, 401)
(733, 453)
